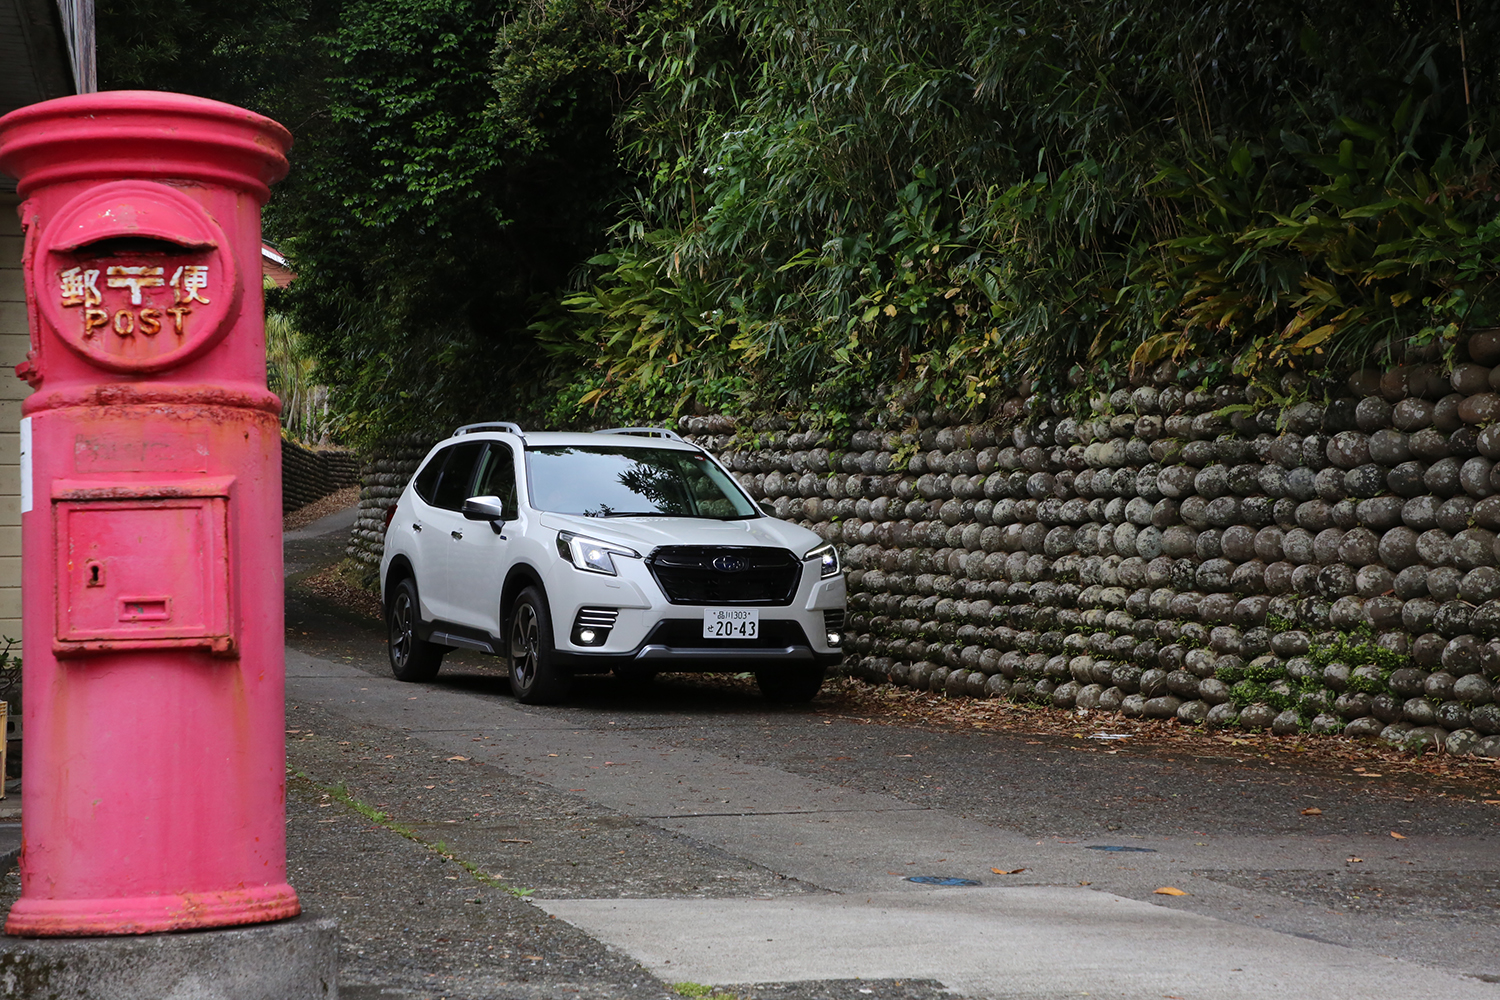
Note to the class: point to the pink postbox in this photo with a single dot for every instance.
(154, 796)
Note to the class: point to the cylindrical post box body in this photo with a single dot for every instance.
(154, 793)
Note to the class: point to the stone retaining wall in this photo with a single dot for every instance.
(308, 475)
(1208, 556)
(381, 481)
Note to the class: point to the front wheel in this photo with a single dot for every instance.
(790, 685)
(412, 659)
(534, 677)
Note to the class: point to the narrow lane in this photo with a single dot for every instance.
(840, 812)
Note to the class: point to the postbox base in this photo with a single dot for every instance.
(150, 914)
(291, 960)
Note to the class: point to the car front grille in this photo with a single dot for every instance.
(693, 574)
(687, 633)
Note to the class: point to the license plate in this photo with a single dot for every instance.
(731, 623)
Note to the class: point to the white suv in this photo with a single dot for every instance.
(627, 550)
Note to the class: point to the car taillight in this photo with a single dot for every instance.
(390, 512)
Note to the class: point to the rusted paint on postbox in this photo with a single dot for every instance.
(152, 623)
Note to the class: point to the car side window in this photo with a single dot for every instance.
(458, 472)
(427, 480)
(497, 477)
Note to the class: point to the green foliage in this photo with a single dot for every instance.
(1370, 685)
(843, 203)
(1230, 675)
(1264, 669)
(432, 213)
(1276, 624)
(1385, 251)
(257, 55)
(580, 210)
(291, 373)
(1247, 692)
(454, 164)
(1356, 649)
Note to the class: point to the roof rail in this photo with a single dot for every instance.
(642, 432)
(493, 425)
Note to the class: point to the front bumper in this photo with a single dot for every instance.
(670, 646)
(650, 632)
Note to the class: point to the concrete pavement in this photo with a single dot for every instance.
(1047, 938)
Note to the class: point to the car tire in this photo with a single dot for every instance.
(412, 658)
(534, 676)
(790, 686)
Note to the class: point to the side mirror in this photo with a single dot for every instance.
(766, 507)
(484, 509)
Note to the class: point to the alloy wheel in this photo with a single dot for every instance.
(402, 630)
(523, 646)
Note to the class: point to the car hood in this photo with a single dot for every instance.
(647, 533)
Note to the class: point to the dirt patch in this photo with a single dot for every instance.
(850, 696)
(317, 510)
(341, 584)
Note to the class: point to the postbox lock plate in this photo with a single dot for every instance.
(135, 276)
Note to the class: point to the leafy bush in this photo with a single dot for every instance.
(938, 200)
(576, 210)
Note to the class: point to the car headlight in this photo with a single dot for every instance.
(828, 560)
(591, 554)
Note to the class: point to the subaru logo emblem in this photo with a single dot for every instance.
(731, 564)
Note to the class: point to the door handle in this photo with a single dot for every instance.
(416, 527)
(457, 534)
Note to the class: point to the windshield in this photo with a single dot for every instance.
(601, 481)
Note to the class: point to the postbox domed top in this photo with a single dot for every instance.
(142, 134)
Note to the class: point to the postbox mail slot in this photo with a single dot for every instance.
(145, 609)
(143, 572)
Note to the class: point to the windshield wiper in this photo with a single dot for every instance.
(664, 513)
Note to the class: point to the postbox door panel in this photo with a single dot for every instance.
(136, 572)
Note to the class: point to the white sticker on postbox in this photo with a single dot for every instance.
(25, 464)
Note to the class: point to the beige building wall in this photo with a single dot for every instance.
(14, 342)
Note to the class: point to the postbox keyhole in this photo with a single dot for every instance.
(95, 571)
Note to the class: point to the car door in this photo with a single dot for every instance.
(478, 557)
(442, 527)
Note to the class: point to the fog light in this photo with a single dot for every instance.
(834, 638)
(586, 636)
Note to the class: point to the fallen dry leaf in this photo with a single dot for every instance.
(1398, 836)
(458, 758)
(1314, 811)
(1168, 890)
(1353, 860)
(1007, 871)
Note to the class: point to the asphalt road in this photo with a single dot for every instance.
(690, 832)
